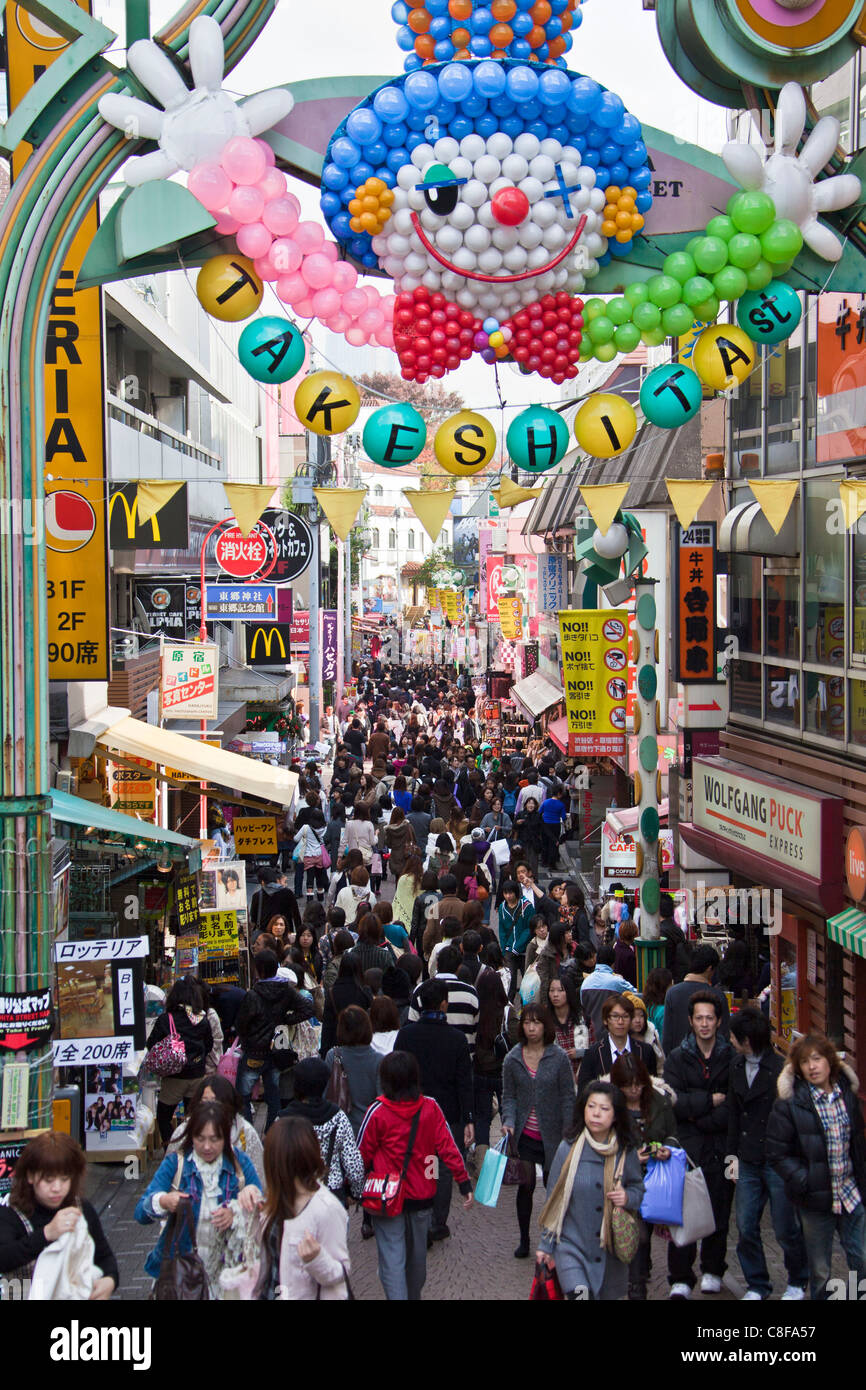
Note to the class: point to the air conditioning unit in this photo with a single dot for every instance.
(66, 782)
(498, 539)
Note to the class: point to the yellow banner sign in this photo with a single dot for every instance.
(218, 935)
(511, 616)
(255, 835)
(595, 672)
(133, 789)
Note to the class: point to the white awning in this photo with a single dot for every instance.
(746, 531)
(624, 822)
(133, 738)
(535, 694)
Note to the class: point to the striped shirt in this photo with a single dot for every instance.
(833, 1114)
(462, 1006)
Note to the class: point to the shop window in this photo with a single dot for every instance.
(783, 404)
(744, 588)
(746, 688)
(833, 961)
(824, 562)
(858, 596)
(782, 696)
(782, 607)
(857, 701)
(824, 699)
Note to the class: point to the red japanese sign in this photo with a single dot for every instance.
(246, 557)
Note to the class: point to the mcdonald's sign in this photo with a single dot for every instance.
(268, 644)
(167, 529)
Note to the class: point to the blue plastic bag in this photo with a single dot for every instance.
(490, 1178)
(663, 1189)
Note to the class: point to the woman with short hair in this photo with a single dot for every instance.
(360, 1062)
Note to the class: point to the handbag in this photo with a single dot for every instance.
(338, 1091)
(501, 851)
(489, 1183)
(182, 1277)
(518, 1171)
(698, 1219)
(663, 1189)
(282, 1054)
(501, 1044)
(530, 985)
(384, 1192)
(624, 1227)
(168, 1056)
(326, 858)
(546, 1287)
(238, 1282)
(229, 1062)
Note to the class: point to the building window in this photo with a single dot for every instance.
(392, 540)
(443, 537)
(374, 539)
(824, 571)
(745, 594)
(378, 490)
(410, 540)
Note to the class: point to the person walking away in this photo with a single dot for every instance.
(270, 1003)
(755, 1071)
(554, 810)
(597, 1156)
(360, 1061)
(494, 1016)
(537, 1105)
(185, 1011)
(462, 997)
(816, 1144)
(699, 1073)
(402, 1131)
(344, 1170)
(305, 1256)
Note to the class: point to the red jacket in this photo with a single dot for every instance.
(384, 1136)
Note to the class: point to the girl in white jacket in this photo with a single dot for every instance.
(305, 1255)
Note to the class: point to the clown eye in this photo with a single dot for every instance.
(440, 189)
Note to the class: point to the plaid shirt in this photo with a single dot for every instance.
(833, 1114)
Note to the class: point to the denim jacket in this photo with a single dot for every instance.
(190, 1182)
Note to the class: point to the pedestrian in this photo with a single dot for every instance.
(244, 1135)
(597, 1157)
(816, 1144)
(554, 810)
(184, 1013)
(359, 1059)
(698, 1071)
(494, 1014)
(572, 1034)
(650, 1106)
(515, 917)
(529, 828)
(677, 950)
(658, 982)
(218, 1181)
(598, 986)
(371, 949)
(303, 1226)
(617, 1013)
(400, 841)
(348, 988)
(402, 1132)
(537, 1105)
(540, 930)
(407, 891)
(624, 955)
(538, 900)
(45, 1204)
(361, 834)
(703, 964)
(553, 958)
(462, 996)
(356, 898)
(344, 1171)
(385, 1022)
(641, 1028)
(268, 1005)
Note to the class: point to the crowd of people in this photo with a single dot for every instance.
(416, 980)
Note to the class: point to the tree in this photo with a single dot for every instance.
(437, 559)
(432, 401)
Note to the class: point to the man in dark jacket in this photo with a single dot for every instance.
(617, 1013)
(699, 1073)
(752, 1093)
(677, 950)
(273, 899)
(268, 1004)
(816, 1143)
(446, 1075)
(675, 1028)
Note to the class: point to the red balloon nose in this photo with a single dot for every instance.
(510, 206)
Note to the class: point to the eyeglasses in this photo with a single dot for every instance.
(617, 1018)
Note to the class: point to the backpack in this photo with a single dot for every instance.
(509, 803)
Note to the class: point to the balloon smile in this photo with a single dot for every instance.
(497, 279)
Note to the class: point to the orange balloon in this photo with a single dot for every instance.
(536, 36)
(612, 194)
(460, 9)
(503, 10)
(637, 221)
(623, 237)
(425, 45)
(500, 35)
(541, 11)
(566, 20)
(463, 53)
(608, 228)
(498, 53)
(460, 38)
(419, 21)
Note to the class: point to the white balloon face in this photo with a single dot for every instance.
(456, 209)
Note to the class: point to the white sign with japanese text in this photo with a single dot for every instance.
(190, 688)
(88, 1052)
(111, 948)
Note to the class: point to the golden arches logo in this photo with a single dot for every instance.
(267, 635)
(131, 513)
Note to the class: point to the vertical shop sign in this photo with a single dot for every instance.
(695, 604)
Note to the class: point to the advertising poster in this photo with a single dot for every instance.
(110, 1106)
(329, 644)
(190, 687)
(594, 663)
(224, 889)
(495, 565)
(511, 616)
(132, 790)
(255, 834)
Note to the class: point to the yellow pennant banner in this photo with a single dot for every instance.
(604, 501)
(431, 508)
(774, 499)
(509, 494)
(153, 496)
(341, 506)
(247, 501)
(687, 496)
(853, 497)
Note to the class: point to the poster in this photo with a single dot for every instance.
(190, 685)
(511, 616)
(26, 1020)
(100, 998)
(224, 888)
(495, 565)
(165, 605)
(167, 529)
(267, 644)
(551, 583)
(219, 935)
(110, 1109)
(594, 663)
(186, 904)
(618, 858)
(9, 1156)
(132, 790)
(255, 834)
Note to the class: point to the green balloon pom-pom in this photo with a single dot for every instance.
(626, 337)
(721, 226)
(664, 291)
(646, 316)
(619, 311)
(730, 283)
(637, 293)
(751, 212)
(781, 242)
(679, 265)
(601, 330)
(706, 311)
(593, 309)
(677, 320)
(606, 352)
(697, 290)
(744, 251)
(695, 242)
(711, 255)
(653, 337)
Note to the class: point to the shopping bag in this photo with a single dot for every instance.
(229, 1062)
(501, 851)
(698, 1219)
(530, 986)
(663, 1189)
(489, 1183)
(545, 1285)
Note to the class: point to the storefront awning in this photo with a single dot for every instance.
(535, 694)
(746, 531)
(133, 738)
(848, 929)
(624, 822)
(557, 729)
(74, 810)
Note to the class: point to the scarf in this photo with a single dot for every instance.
(557, 1204)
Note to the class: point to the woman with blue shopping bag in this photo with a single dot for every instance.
(651, 1108)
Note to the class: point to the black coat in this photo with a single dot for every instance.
(702, 1126)
(445, 1063)
(197, 1039)
(19, 1249)
(597, 1061)
(749, 1106)
(268, 1004)
(797, 1148)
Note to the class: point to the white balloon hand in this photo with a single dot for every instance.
(194, 126)
(789, 178)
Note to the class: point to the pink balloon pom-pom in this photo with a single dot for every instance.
(243, 160)
(371, 321)
(292, 287)
(281, 215)
(373, 296)
(331, 250)
(270, 157)
(345, 277)
(354, 302)
(286, 256)
(356, 336)
(227, 225)
(309, 236)
(211, 185)
(254, 240)
(389, 302)
(338, 323)
(325, 303)
(317, 271)
(385, 338)
(274, 184)
(246, 204)
(265, 269)
(304, 308)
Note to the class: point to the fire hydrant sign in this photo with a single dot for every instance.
(595, 669)
(189, 682)
(255, 835)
